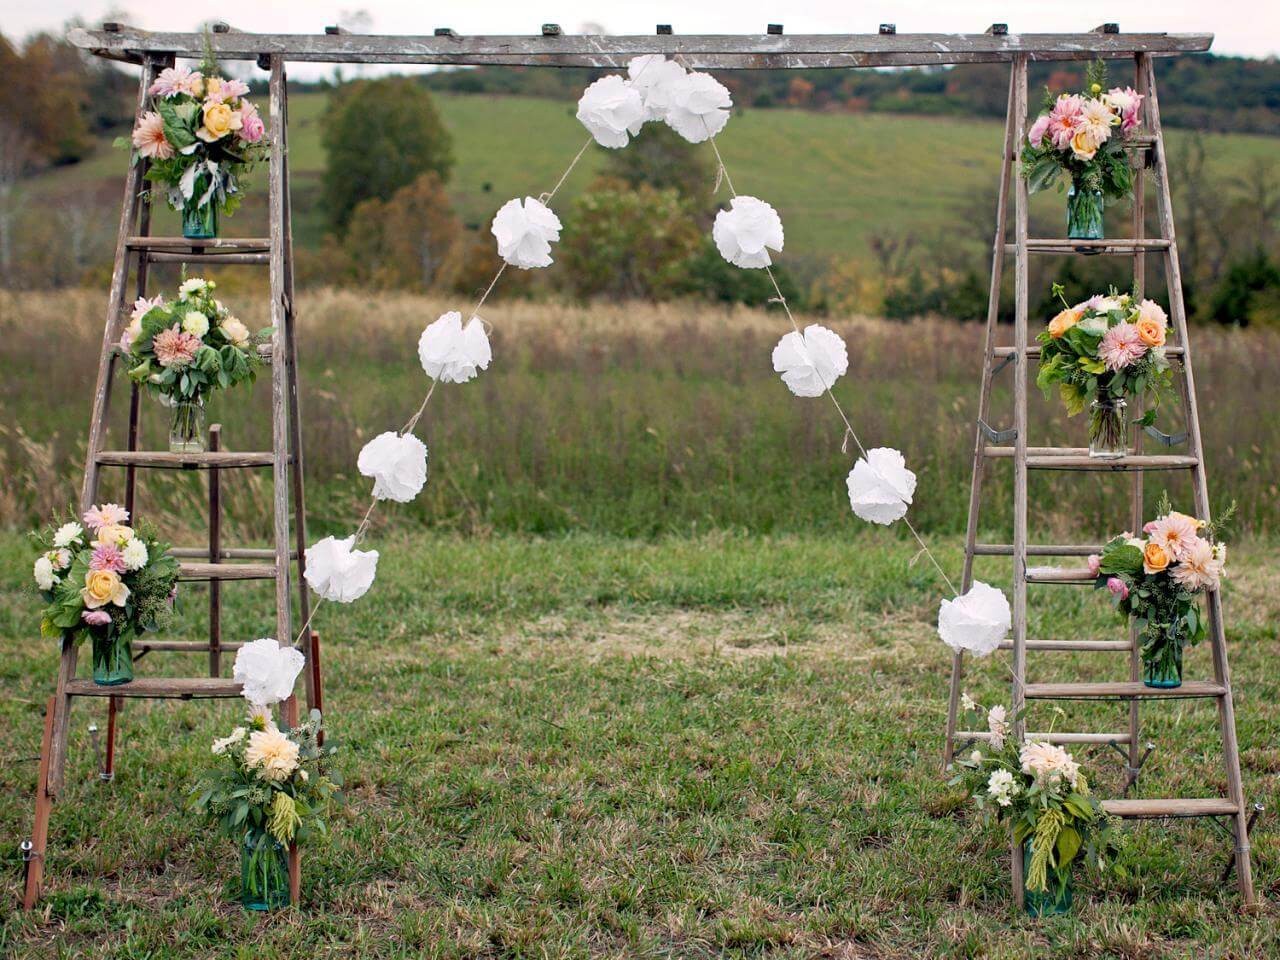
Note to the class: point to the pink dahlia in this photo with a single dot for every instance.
(96, 618)
(107, 515)
(1176, 532)
(144, 305)
(174, 348)
(1038, 130)
(1064, 119)
(233, 89)
(1199, 567)
(148, 137)
(1121, 346)
(108, 556)
(175, 80)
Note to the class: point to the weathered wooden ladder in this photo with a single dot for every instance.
(990, 444)
(136, 248)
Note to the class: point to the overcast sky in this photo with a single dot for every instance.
(1243, 27)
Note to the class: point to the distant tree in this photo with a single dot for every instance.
(1247, 286)
(380, 135)
(659, 157)
(44, 91)
(403, 243)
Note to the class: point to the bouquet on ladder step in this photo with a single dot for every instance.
(1101, 353)
(1041, 791)
(1083, 135)
(103, 578)
(1156, 579)
(186, 348)
(200, 137)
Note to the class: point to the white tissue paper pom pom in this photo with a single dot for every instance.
(812, 362)
(699, 107)
(612, 111)
(975, 621)
(267, 671)
(655, 77)
(452, 353)
(398, 465)
(337, 572)
(747, 231)
(881, 486)
(524, 233)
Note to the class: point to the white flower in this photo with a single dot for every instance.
(747, 231)
(398, 465)
(975, 621)
(698, 106)
(655, 76)
(235, 331)
(337, 572)
(1001, 787)
(967, 702)
(612, 111)
(135, 554)
(976, 756)
(998, 724)
(194, 285)
(1049, 764)
(195, 323)
(143, 305)
(881, 486)
(46, 579)
(810, 362)
(221, 746)
(67, 534)
(130, 334)
(452, 353)
(524, 233)
(267, 670)
(60, 557)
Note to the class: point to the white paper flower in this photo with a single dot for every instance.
(975, 621)
(398, 465)
(524, 233)
(747, 231)
(699, 106)
(655, 77)
(810, 362)
(881, 486)
(267, 671)
(452, 353)
(67, 534)
(337, 572)
(612, 111)
(42, 570)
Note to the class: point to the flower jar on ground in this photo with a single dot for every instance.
(264, 871)
(1055, 899)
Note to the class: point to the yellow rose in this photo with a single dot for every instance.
(1084, 145)
(115, 533)
(1064, 321)
(1154, 558)
(219, 120)
(1151, 332)
(102, 587)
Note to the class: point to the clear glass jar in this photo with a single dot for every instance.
(1108, 427)
(112, 658)
(186, 429)
(264, 871)
(1084, 213)
(199, 223)
(1162, 660)
(1050, 902)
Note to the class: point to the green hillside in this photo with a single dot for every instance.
(836, 178)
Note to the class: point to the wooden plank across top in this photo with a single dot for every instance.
(747, 51)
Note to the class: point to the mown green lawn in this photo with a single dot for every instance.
(693, 746)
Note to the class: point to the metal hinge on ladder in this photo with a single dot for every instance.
(997, 436)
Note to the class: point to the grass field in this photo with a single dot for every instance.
(593, 747)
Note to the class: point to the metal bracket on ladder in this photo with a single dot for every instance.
(997, 436)
(1008, 359)
(1131, 773)
(1165, 439)
(1257, 811)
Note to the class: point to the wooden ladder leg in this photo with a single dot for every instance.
(984, 406)
(215, 555)
(1020, 440)
(1217, 631)
(44, 807)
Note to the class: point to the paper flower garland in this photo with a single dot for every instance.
(267, 671)
(747, 231)
(398, 465)
(975, 621)
(337, 572)
(654, 76)
(881, 486)
(524, 233)
(612, 111)
(452, 353)
(812, 362)
(699, 106)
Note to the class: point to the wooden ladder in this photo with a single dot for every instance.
(1012, 444)
(136, 248)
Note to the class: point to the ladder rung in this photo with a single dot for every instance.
(1077, 458)
(160, 687)
(1033, 352)
(1060, 738)
(1037, 549)
(1059, 575)
(1121, 690)
(181, 646)
(1173, 807)
(228, 571)
(1073, 646)
(1119, 247)
(186, 461)
(229, 553)
(231, 244)
(243, 259)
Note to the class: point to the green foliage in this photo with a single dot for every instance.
(660, 158)
(379, 136)
(1249, 292)
(710, 276)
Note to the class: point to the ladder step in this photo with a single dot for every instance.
(1059, 575)
(176, 688)
(229, 244)
(1058, 738)
(1033, 352)
(1118, 247)
(228, 571)
(1074, 646)
(243, 259)
(1174, 807)
(180, 646)
(164, 460)
(1037, 549)
(1068, 458)
(228, 553)
(1122, 690)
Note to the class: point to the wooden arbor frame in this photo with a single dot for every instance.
(552, 48)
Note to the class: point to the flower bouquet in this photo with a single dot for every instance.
(265, 797)
(1083, 134)
(1101, 352)
(113, 585)
(1041, 791)
(201, 137)
(184, 349)
(1156, 580)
